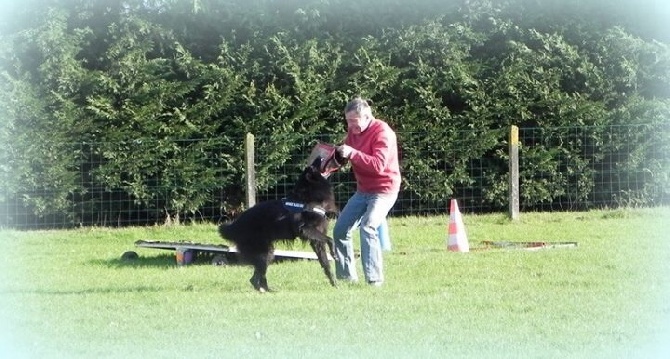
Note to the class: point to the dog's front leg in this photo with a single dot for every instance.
(320, 250)
(318, 235)
(318, 242)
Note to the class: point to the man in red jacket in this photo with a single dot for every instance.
(372, 150)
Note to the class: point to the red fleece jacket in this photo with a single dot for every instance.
(374, 159)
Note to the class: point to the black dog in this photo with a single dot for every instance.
(303, 214)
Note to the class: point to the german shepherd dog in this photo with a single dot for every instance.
(303, 214)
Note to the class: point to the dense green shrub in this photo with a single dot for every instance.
(150, 100)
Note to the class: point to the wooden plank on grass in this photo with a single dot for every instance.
(528, 246)
(220, 248)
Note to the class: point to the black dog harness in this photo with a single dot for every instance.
(297, 207)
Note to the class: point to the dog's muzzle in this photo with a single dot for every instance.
(328, 154)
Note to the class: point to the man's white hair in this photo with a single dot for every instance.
(359, 106)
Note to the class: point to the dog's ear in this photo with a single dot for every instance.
(316, 164)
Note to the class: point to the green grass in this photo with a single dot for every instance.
(67, 294)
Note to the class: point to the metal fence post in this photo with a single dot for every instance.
(514, 173)
(250, 173)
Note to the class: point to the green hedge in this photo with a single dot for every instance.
(101, 94)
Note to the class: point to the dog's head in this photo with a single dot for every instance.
(312, 178)
(312, 187)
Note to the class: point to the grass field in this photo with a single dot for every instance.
(67, 294)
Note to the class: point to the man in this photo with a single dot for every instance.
(371, 148)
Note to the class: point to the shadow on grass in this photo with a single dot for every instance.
(109, 290)
(163, 260)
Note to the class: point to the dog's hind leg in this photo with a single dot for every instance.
(259, 279)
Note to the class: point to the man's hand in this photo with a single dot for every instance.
(344, 151)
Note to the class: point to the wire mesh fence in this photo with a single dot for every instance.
(572, 168)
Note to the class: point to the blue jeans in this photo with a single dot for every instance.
(366, 211)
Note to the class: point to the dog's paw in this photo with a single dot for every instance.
(259, 285)
(256, 283)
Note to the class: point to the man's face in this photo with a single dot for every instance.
(357, 122)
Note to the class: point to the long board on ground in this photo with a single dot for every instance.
(220, 248)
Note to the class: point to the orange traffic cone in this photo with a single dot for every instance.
(458, 240)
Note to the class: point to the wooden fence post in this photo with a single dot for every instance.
(250, 173)
(514, 173)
